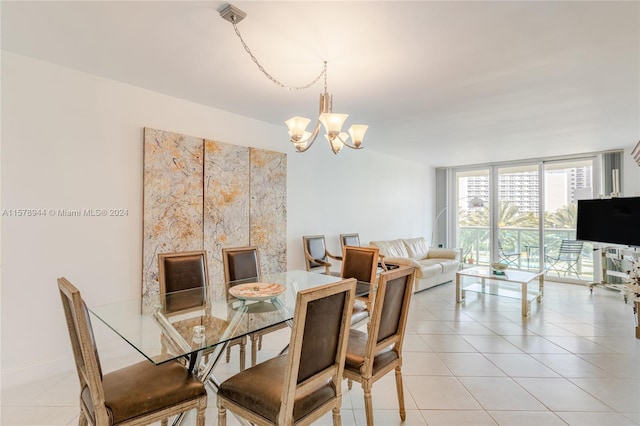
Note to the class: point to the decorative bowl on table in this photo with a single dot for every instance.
(498, 268)
(256, 291)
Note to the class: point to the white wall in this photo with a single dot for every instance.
(74, 141)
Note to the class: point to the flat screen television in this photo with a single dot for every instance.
(612, 220)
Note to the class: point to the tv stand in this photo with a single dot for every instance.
(613, 259)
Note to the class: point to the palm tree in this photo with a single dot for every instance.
(475, 230)
(475, 237)
(563, 218)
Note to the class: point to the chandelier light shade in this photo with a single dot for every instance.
(297, 128)
(332, 122)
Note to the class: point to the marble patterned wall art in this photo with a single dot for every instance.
(173, 202)
(226, 202)
(268, 208)
(202, 194)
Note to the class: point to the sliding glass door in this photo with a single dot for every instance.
(566, 182)
(524, 215)
(472, 206)
(518, 221)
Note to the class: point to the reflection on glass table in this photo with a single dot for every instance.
(145, 322)
(162, 334)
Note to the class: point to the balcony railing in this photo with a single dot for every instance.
(475, 242)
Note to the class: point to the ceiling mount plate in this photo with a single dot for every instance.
(232, 14)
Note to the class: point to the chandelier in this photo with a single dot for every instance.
(332, 122)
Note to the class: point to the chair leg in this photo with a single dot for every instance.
(243, 353)
(202, 408)
(82, 420)
(228, 354)
(573, 267)
(368, 402)
(337, 420)
(399, 388)
(260, 342)
(254, 348)
(349, 383)
(222, 415)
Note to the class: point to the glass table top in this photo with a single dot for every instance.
(185, 322)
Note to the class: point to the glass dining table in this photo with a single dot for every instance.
(206, 321)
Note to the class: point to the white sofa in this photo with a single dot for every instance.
(433, 265)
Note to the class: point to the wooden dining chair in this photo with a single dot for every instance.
(243, 263)
(183, 271)
(299, 387)
(139, 394)
(361, 263)
(373, 354)
(316, 255)
(349, 240)
(354, 240)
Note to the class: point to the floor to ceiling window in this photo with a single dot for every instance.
(566, 182)
(518, 220)
(524, 215)
(473, 210)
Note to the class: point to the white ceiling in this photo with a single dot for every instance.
(444, 83)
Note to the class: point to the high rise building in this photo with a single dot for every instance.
(564, 186)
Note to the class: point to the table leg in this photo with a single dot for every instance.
(458, 293)
(205, 374)
(541, 283)
(526, 307)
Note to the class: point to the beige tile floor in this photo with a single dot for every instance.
(574, 361)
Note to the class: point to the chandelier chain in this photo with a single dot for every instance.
(269, 76)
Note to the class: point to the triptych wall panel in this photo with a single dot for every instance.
(269, 208)
(173, 199)
(202, 194)
(226, 210)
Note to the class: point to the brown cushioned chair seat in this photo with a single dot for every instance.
(260, 388)
(356, 352)
(159, 386)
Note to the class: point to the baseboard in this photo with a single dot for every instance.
(13, 377)
(114, 355)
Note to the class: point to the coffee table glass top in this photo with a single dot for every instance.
(512, 275)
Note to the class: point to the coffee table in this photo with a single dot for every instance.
(483, 280)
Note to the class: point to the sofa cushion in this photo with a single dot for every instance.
(448, 265)
(428, 268)
(391, 248)
(417, 248)
(402, 261)
(442, 253)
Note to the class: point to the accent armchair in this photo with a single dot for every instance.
(316, 255)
